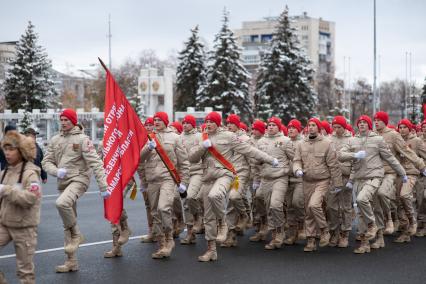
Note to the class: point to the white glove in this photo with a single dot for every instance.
(207, 143)
(105, 194)
(299, 173)
(360, 154)
(181, 188)
(424, 172)
(336, 190)
(404, 179)
(62, 172)
(152, 145)
(275, 163)
(256, 185)
(349, 185)
(1, 189)
(142, 189)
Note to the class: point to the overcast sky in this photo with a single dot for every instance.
(74, 32)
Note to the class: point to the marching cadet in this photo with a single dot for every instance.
(216, 151)
(339, 204)
(238, 206)
(421, 193)
(274, 180)
(169, 155)
(367, 151)
(149, 238)
(295, 199)
(404, 191)
(70, 157)
(315, 160)
(192, 203)
(386, 194)
(20, 193)
(260, 224)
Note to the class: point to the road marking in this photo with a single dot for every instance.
(61, 248)
(56, 195)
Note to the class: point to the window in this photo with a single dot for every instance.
(266, 38)
(254, 38)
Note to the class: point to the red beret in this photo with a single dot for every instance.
(243, 126)
(367, 119)
(340, 120)
(70, 114)
(189, 119)
(406, 122)
(149, 120)
(316, 121)
(163, 116)
(178, 126)
(234, 119)
(259, 126)
(284, 130)
(326, 126)
(215, 117)
(296, 124)
(383, 116)
(275, 120)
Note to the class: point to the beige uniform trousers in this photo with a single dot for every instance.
(421, 198)
(339, 208)
(161, 197)
(314, 194)
(67, 202)
(25, 242)
(259, 211)
(274, 192)
(295, 204)
(115, 228)
(365, 197)
(214, 202)
(237, 203)
(191, 205)
(385, 199)
(177, 207)
(404, 195)
(147, 209)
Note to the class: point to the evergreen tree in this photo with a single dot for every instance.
(29, 78)
(283, 86)
(190, 73)
(227, 88)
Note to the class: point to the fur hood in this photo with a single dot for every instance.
(25, 145)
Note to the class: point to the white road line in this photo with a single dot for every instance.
(56, 195)
(61, 248)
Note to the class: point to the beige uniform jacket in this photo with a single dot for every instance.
(19, 207)
(226, 143)
(75, 152)
(280, 147)
(398, 146)
(155, 170)
(254, 167)
(293, 143)
(377, 151)
(417, 145)
(240, 161)
(318, 161)
(338, 143)
(189, 140)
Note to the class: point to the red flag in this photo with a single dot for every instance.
(124, 137)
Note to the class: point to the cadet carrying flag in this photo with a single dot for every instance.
(124, 138)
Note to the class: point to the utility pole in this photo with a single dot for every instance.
(109, 42)
(375, 75)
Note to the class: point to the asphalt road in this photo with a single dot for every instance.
(247, 263)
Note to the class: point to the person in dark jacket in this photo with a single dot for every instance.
(30, 132)
(3, 162)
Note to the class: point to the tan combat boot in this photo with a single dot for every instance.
(148, 238)
(170, 244)
(292, 236)
(412, 228)
(2, 278)
(70, 264)
(222, 231)
(231, 240)
(364, 246)
(277, 239)
(311, 245)
(210, 254)
(344, 239)
(190, 236)
(334, 238)
(125, 232)
(371, 231)
(198, 224)
(389, 229)
(76, 239)
(403, 238)
(421, 230)
(301, 234)
(242, 222)
(160, 253)
(380, 241)
(116, 247)
(259, 235)
(178, 227)
(324, 238)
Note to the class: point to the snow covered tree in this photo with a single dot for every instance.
(29, 79)
(190, 73)
(226, 88)
(285, 75)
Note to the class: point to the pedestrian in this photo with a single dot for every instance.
(20, 195)
(368, 151)
(3, 161)
(164, 153)
(315, 160)
(30, 132)
(71, 157)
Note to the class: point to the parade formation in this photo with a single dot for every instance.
(290, 183)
